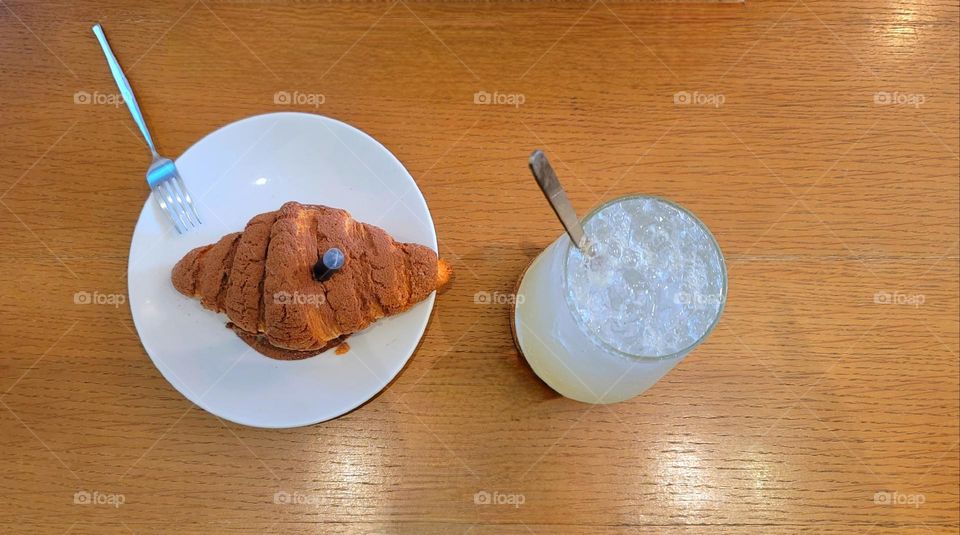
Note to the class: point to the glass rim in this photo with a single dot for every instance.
(604, 344)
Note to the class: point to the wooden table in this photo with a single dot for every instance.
(818, 140)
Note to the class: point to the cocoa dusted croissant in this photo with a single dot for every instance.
(264, 279)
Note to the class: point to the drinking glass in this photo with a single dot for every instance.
(551, 333)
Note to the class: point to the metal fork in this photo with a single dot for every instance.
(162, 176)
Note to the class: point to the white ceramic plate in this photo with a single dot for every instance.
(243, 169)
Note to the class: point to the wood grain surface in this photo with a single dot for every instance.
(818, 140)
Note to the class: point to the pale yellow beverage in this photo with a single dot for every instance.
(604, 324)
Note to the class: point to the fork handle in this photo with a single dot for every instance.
(124, 86)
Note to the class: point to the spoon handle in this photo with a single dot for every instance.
(557, 197)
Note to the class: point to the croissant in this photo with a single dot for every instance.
(264, 279)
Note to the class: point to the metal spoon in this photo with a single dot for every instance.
(557, 197)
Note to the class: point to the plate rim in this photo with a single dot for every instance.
(186, 392)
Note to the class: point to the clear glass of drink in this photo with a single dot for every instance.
(603, 324)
